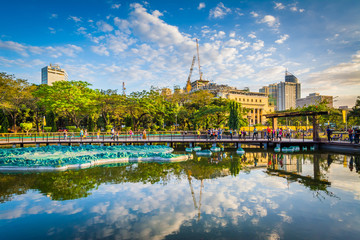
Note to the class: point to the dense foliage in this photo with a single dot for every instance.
(74, 105)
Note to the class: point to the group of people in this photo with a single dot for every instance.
(277, 134)
(213, 133)
(354, 135)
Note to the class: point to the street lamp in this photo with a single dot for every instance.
(249, 119)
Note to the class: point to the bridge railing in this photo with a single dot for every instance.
(123, 136)
(139, 136)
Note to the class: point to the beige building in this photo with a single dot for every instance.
(257, 103)
(166, 91)
(53, 73)
(314, 99)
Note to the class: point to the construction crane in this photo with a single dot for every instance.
(188, 83)
(191, 68)
(198, 55)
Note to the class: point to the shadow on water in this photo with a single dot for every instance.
(76, 184)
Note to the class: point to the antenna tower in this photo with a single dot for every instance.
(123, 89)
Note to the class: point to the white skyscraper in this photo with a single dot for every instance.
(53, 73)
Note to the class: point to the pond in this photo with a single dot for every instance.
(260, 195)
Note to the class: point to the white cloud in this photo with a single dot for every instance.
(294, 9)
(254, 14)
(282, 39)
(52, 30)
(54, 15)
(232, 34)
(259, 44)
(14, 46)
(220, 11)
(270, 20)
(149, 27)
(115, 6)
(279, 6)
(252, 35)
(104, 27)
(201, 6)
(100, 50)
(76, 19)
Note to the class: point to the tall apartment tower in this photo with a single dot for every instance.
(53, 73)
(288, 92)
(272, 92)
(290, 78)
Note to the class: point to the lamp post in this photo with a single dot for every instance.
(249, 119)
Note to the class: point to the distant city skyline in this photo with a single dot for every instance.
(145, 43)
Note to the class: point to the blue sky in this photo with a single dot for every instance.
(145, 43)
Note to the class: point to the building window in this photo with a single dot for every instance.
(252, 100)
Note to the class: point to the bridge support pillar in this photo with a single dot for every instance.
(37, 145)
(21, 145)
(47, 144)
(14, 145)
(102, 144)
(265, 146)
(59, 144)
(168, 144)
(261, 145)
(190, 145)
(69, 144)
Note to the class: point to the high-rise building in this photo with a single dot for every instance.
(290, 78)
(283, 95)
(286, 95)
(314, 99)
(271, 91)
(53, 73)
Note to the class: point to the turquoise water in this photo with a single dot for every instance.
(257, 196)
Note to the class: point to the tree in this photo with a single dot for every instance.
(216, 112)
(70, 99)
(354, 114)
(15, 93)
(4, 122)
(236, 120)
(26, 127)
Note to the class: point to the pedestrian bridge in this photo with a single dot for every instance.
(168, 138)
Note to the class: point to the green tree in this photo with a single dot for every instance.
(70, 99)
(26, 127)
(354, 114)
(15, 93)
(4, 124)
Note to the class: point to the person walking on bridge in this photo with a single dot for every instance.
(268, 133)
(350, 131)
(328, 132)
(255, 134)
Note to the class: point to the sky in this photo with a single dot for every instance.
(152, 43)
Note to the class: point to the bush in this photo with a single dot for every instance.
(47, 129)
(26, 127)
(72, 129)
(109, 127)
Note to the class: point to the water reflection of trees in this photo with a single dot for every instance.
(317, 184)
(78, 184)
